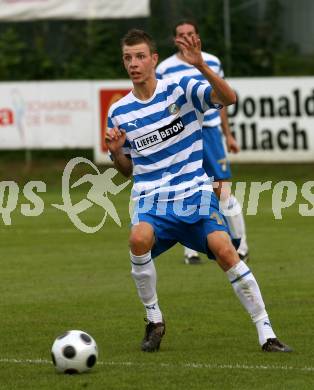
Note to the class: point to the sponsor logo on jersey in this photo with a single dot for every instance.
(157, 136)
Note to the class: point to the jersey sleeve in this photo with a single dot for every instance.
(126, 148)
(159, 72)
(199, 94)
(221, 71)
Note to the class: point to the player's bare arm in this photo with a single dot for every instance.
(115, 139)
(231, 143)
(190, 48)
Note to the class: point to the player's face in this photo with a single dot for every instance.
(139, 62)
(183, 31)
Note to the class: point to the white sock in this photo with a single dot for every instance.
(264, 330)
(144, 275)
(232, 210)
(153, 313)
(247, 290)
(190, 252)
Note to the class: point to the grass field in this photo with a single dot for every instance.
(55, 278)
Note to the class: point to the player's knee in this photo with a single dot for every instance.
(227, 256)
(139, 243)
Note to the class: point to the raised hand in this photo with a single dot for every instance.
(191, 49)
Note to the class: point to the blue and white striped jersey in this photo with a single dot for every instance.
(164, 138)
(176, 68)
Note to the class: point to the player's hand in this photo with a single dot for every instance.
(115, 139)
(191, 49)
(232, 145)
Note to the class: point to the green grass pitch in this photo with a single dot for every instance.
(55, 278)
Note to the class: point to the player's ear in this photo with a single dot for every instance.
(155, 58)
(174, 41)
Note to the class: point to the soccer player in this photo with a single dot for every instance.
(154, 133)
(215, 162)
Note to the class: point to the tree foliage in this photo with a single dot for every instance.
(91, 49)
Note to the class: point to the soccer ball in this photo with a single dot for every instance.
(74, 352)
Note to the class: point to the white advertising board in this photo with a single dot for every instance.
(19, 10)
(46, 115)
(273, 119)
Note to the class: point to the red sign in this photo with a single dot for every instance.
(6, 117)
(106, 98)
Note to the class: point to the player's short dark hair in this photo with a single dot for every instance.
(185, 21)
(135, 36)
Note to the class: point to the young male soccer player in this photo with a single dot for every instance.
(215, 161)
(156, 125)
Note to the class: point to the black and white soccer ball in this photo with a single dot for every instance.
(74, 352)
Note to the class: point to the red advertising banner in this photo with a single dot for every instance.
(106, 98)
(6, 117)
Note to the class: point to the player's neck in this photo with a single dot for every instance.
(180, 56)
(145, 90)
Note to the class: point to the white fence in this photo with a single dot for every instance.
(273, 119)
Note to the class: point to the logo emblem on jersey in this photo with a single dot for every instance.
(217, 218)
(157, 136)
(223, 163)
(173, 109)
(132, 123)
